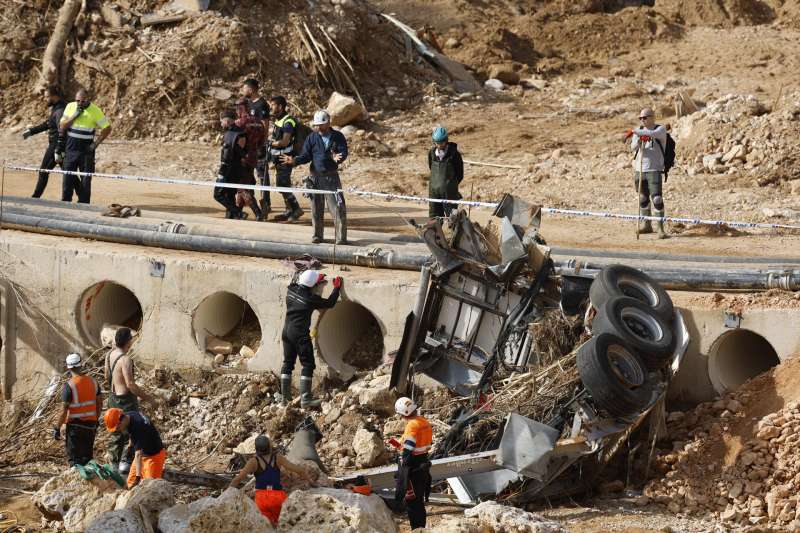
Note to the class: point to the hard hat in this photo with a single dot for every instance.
(404, 406)
(262, 444)
(309, 278)
(73, 360)
(320, 117)
(112, 418)
(439, 134)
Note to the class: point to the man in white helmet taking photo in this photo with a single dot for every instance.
(302, 299)
(82, 403)
(413, 474)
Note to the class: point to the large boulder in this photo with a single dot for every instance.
(74, 500)
(374, 394)
(368, 447)
(325, 510)
(119, 521)
(344, 110)
(232, 512)
(151, 496)
(501, 518)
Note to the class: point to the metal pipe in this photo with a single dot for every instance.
(688, 258)
(351, 255)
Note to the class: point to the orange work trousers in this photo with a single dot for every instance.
(152, 467)
(269, 502)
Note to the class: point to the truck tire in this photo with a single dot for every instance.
(621, 280)
(614, 375)
(639, 327)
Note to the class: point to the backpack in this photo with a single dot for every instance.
(668, 153)
(301, 132)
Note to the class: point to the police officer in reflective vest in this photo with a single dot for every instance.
(78, 124)
(51, 156)
(81, 410)
(447, 171)
(413, 475)
(284, 132)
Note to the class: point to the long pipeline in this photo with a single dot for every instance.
(115, 231)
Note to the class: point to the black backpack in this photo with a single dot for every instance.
(668, 153)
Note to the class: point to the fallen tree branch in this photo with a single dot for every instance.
(496, 165)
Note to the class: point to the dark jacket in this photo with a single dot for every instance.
(230, 159)
(321, 158)
(445, 174)
(51, 124)
(300, 303)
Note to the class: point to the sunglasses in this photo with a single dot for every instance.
(645, 118)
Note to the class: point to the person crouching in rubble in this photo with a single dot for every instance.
(447, 171)
(231, 159)
(266, 467)
(413, 474)
(148, 463)
(81, 411)
(301, 302)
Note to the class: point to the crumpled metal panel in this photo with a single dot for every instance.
(526, 445)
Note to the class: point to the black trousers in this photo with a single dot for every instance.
(225, 196)
(119, 441)
(83, 162)
(419, 479)
(283, 178)
(79, 441)
(295, 345)
(48, 162)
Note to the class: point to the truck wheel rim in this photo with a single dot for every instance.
(625, 366)
(636, 288)
(641, 324)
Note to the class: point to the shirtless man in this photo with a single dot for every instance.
(125, 395)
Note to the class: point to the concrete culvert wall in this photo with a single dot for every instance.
(349, 338)
(737, 356)
(108, 303)
(228, 317)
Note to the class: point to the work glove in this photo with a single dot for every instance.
(644, 138)
(56, 433)
(337, 282)
(59, 158)
(628, 134)
(27, 133)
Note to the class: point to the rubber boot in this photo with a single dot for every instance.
(660, 225)
(296, 214)
(307, 400)
(257, 212)
(283, 217)
(286, 389)
(644, 225)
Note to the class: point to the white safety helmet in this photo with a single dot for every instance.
(309, 278)
(320, 117)
(404, 406)
(73, 360)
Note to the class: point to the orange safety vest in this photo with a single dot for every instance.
(418, 436)
(84, 399)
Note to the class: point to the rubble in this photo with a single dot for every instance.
(119, 521)
(369, 448)
(511, 519)
(326, 510)
(232, 512)
(150, 496)
(76, 501)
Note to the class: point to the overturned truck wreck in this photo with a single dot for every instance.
(552, 373)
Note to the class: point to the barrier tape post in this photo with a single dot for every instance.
(389, 197)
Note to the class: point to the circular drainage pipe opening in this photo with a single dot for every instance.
(108, 304)
(223, 323)
(737, 356)
(349, 339)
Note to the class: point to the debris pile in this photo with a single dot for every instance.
(737, 457)
(491, 517)
(233, 510)
(737, 134)
(326, 509)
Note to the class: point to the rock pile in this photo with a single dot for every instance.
(492, 517)
(722, 463)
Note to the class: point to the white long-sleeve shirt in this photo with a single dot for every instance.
(653, 156)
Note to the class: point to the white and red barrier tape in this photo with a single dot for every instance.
(419, 199)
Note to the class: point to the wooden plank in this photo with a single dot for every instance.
(151, 19)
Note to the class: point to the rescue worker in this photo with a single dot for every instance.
(148, 463)
(325, 149)
(413, 475)
(301, 302)
(52, 156)
(78, 124)
(266, 467)
(234, 145)
(447, 171)
(648, 142)
(125, 395)
(284, 131)
(259, 110)
(255, 137)
(82, 403)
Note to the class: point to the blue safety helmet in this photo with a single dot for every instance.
(439, 134)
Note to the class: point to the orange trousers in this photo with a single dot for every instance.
(152, 467)
(269, 502)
